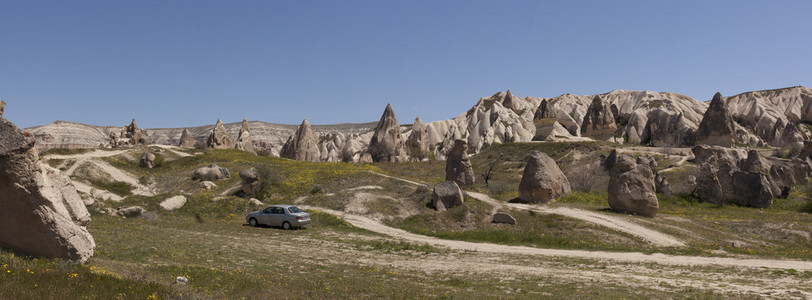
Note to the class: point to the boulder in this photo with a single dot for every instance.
(503, 218)
(187, 140)
(599, 122)
(42, 214)
(386, 144)
(303, 145)
(647, 160)
(717, 126)
(244, 141)
(173, 203)
(662, 185)
(147, 160)
(458, 165)
(723, 181)
(446, 195)
(631, 187)
(250, 181)
(131, 212)
(544, 119)
(219, 138)
(542, 180)
(254, 202)
(208, 185)
(417, 145)
(705, 153)
(212, 172)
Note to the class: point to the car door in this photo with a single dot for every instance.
(277, 216)
(265, 216)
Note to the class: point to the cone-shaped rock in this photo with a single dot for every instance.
(417, 145)
(302, 145)
(42, 214)
(544, 119)
(631, 186)
(219, 138)
(387, 143)
(458, 165)
(542, 180)
(509, 102)
(244, 137)
(187, 140)
(716, 127)
(599, 122)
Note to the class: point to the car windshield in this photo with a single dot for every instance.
(294, 209)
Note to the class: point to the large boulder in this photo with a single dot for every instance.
(244, 141)
(503, 218)
(717, 126)
(542, 180)
(303, 145)
(544, 119)
(250, 181)
(751, 181)
(211, 173)
(631, 186)
(187, 140)
(147, 160)
(458, 165)
(446, 195)
(599, 122)
(173, 203)
(219, 138)
(42, 214)
(387, 144)
(417, 145)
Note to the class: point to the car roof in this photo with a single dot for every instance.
(282, 205)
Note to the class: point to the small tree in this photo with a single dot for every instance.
(488, 173)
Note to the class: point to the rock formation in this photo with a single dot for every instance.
(303, 145)
(219, 138)
(187, 140)
(131, 211)
(544, 119)
(446, 195)
(662, 185)
(727, 178)
(147, 160)
(768, 113)
(509, 102)
(503, 218)
(42, 214)
(131, 135)
(542, 180)
(212, 172)
(458, 165)
(599, 122)
(2, 107)
(173, 203)
(387, 144)
(417, 145)
(244, 141)
(665, 128)
(250, 181)
(717, 126)
(631, 186)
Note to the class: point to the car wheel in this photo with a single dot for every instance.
(252, 222)
(286, 226)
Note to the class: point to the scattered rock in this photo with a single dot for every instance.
(503, 218)
(244, 141)
(208, 185)
(599, 122)
(662, 185)
(542, 180)
(458, 165)
(250, 181)
(173, 203)
(631, 187)
(303, 145)
(255, 202)
(387, 145)
(722, 181)
(717, 126)
(42, 214)
(181, 280)
(131, 211)
(219, 138)
(147, 160)
(212, 172)
(446, 195)
(187, 140)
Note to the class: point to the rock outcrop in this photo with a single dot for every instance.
(458, 165)
(599, 121)
(509, 102)
(665, 128)
(545, 120)
(42, 214)
(131, 211)
(446, 195)
(131, 135)
(147, 160)
(250, 181)
(244, 141)
(503, 218)
(211, 173)
(387, 144)
(772, 115)
(173, 203)
(417, 145)
(542, 180)
(219, 137)
(187, 140)
(631, 186)
(303, 145)
(717, 126)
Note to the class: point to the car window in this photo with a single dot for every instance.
(266, 211)
(278, 210)
(294, 209)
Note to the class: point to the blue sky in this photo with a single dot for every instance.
(187, 63)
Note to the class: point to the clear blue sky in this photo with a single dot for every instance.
(187, 63)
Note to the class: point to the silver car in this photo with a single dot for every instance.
(285, 216)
